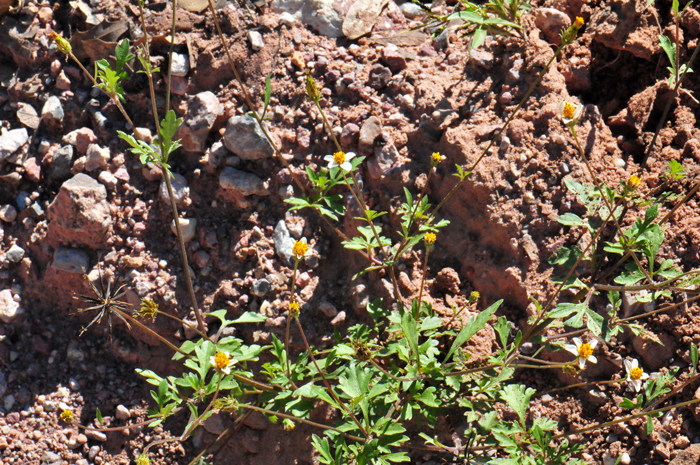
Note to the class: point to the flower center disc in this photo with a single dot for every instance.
(339, 157)
(636, 373)
(569, 111)
(221, 360)
(299, 248)
(585, 351)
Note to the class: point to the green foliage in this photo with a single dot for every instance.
(109, 78)
(159, 152)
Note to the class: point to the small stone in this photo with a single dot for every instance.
(349, 134)
(180, 65)
(551, 22)
(96, 435)
(261, 287)
(242, 182)
(97, 157)
(202, 111)
(15, 254)
(371, 129)
(546, 398)
(70, 260)
(32, 169)
(45, 15)
(92, 453)
(62, 81)
(411, 10)
(73, 384)
(256, 40)
(215, 156)
(28, 116)
(9, 402)
(122, 412)
(143, 134)
(11, 141)
(298, 59)
(8, 213)
(379, 77)
(287, 19)
(245, 138)
(9, 307)
(339, 319)
(625, 459)
(108, 179)
(52, 109)
(80, 139)
(61, 163)
(328, 309)
(201, 258)
(188, 227)
(283, 242)
(180, 189)
(393, 59)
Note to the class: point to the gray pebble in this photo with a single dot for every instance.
(15, 254)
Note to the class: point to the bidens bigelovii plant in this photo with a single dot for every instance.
(391, 380)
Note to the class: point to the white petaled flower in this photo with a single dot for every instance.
(301, 249)
(570, 112)
(341, 159)
(222, 362)
(635, 374)
(583, 351)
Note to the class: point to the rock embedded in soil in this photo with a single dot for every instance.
(61, 163)
(80, 215)
(260, 287)
(180, 65)
(319, 15)
(551, 22)
(52, 110)
(283, 242)
(202, 111)
(11, 141)
(80, 139)
(620, 26)
(71, 260)
(180, 189)
(9, 307)
(411, 10)
(371, 129)
(361, 17)
(256, 40)
(245, 138)
(242, 182)
(97, 157)
(15, 254)
(393, 58)
(28, 116)
(379, 76)
(188, 228)
(8, 213)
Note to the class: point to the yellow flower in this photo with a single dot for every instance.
(143, 460)
(288, 424)
(222, 362)
(579, 22)
(570, 112)
(300, 249)
(67, 416)
(430, 239)
(436, 158)
(583, 351)
(633, 182)
(294, 309)
(635, 375)
(473, 297)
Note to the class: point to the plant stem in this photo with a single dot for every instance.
(170, 58)
(328, 386)
(289, 323)
(183, 250)
(149, 331)
(589, 383)
(422, 280)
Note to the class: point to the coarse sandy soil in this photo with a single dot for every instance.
(397, 108)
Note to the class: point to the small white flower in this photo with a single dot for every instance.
(341, 159)
(635, 375)
(583, 351)
(300, 249)
(222, 362)
(570, 112)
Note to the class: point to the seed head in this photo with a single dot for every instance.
(62, 44)
(67, 417)
(288, 424)
(294, 309)
(149, 309)
(430, 239)
(361, 350)
(311, 90)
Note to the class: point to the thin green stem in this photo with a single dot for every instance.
(328, 386)
(422, 279)
(170, 57)
(289, 322)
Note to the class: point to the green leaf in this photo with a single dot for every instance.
(627, 403)
(268, 93)
(502, 327)
(250, 317)
(694, 356)
(168, 128)
(99, 416)
(518, 398)
(473, 326)
(571, 219)
(410, 330)
(478, 37)
(650, 426)
(675, 170)
(122, 55)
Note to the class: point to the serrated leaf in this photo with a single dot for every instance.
(518, 398)
(410, 330)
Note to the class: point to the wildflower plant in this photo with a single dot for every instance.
(406, 368)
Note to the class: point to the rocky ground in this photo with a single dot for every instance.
(73, 198)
